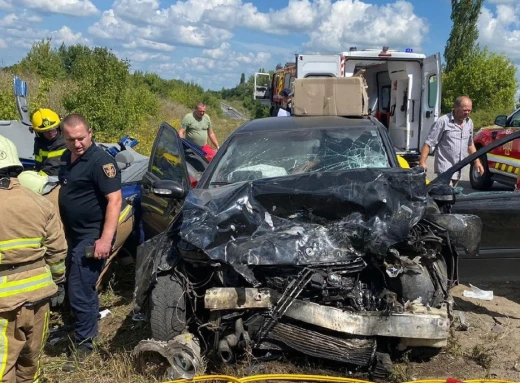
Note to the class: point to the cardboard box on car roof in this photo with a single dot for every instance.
(330, 96)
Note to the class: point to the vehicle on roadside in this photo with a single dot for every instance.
(501, 165)
(305, 227)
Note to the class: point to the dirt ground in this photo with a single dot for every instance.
(489, 347)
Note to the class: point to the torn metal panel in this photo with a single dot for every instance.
(464, 229)
(318, 218)
(224, 298)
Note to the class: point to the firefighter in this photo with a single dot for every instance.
(49, 145)
(33, 250)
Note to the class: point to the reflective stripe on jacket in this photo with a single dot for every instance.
(47, 154)
(32, 247)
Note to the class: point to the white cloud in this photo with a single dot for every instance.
(356, 23)
(218, 53)
(110, 27)
(147, 44)
(142, 19)
(68, 37)
(19, 20)
(6, 5)
(67, 7)
(3, 44)
(25, 38)
(500, 31)
(502, 1)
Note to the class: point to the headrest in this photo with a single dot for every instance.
(124, 158)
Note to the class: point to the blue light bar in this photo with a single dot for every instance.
(409, 50)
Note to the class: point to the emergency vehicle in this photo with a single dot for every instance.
(268, 88)
(404, 89)
(501, 164)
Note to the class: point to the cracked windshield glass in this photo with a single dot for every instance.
(276, 154)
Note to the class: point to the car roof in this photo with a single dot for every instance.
(307, 122)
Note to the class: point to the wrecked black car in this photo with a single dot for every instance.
(303, 234)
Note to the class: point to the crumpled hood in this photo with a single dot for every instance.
(318, 218)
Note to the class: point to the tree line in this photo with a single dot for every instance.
(93, 81)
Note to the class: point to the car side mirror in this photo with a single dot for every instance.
(168, 189)
(501, 120)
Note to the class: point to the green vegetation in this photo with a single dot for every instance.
(99, 85)
(489, 79)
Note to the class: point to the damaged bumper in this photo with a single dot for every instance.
(420, 323)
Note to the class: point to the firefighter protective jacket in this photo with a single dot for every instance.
(47, 154)
(32, 247)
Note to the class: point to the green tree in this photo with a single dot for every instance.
(242, 78)
(42, 60)
(488, 78)
(464, 32)
(107, 95)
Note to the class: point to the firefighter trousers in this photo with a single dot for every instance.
(22, 338)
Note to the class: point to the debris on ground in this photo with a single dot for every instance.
(475, 292)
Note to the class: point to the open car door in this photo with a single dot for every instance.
(431, 94)
(499, 211)
(165, 184)
(262, 91)
(20, 131)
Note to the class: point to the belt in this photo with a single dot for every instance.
(20, 267)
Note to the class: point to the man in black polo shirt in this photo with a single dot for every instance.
(90, 202)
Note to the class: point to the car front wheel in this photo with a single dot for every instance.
(478, 181)
(167, 308)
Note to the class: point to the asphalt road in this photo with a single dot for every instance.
(231, 112)
(464, 181)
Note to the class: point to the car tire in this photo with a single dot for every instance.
(167, 308)
(480, 182)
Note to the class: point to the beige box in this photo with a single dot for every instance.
(330, 96)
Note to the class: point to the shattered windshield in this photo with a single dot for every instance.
(275, 154)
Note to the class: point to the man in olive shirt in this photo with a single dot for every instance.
(196, 127)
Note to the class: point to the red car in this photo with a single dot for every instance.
(502, 164)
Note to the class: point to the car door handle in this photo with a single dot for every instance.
(494, 135)
(428, 113)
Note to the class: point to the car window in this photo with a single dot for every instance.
(166, 161)
(277, 154)
(515, 120)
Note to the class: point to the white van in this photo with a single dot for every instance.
(404, 89)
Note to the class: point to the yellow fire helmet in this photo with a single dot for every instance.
(44, 120)
(33, 180)
(9, 155)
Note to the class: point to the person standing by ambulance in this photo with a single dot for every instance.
(33, 250)
(90, 202)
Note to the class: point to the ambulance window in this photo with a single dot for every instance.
(432, 91)
(385, 98)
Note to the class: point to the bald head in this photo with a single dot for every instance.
(462, 108)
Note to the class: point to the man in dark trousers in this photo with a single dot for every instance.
(90, 203)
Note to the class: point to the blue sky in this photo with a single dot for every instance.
(212, 42)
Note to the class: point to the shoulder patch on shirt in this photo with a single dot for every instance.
(110, 170)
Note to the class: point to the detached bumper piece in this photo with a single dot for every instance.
(432, 325)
